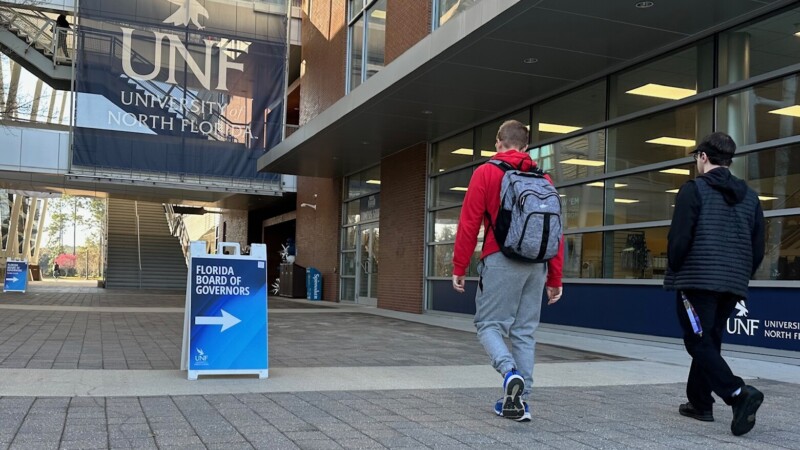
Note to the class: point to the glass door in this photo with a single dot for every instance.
(367, 274)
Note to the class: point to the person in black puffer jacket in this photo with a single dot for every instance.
(715, 245)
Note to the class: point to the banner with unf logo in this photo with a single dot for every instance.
(179, 86)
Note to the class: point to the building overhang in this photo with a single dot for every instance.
(473, 69)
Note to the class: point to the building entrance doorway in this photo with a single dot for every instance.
(367, 273)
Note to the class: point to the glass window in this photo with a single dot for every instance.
(644, 197)
(660, 137)
(636, 254)
(782, 260)
(449, 189)
(364, 183)
(349, 264)
(367, 34)
(673, 77)
(759, 47)
(356, 52)
(453, 152)
(582, 206)
(441, 261)
(348, 289)
(447, 9)
(486, 135)
(774, 174)
(445, 224)
(569, 112)
(578, 157)
(349, 240)
(763, 113)
(583, 255)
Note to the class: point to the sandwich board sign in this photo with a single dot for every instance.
(16, 276)
(225, 319)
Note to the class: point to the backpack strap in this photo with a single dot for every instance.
(504, 166)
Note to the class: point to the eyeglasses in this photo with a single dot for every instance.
(696, 156)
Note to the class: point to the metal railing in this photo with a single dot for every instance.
(41, 33)
(178, 229)
(138, 241)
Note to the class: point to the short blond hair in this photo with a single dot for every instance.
(513, 134)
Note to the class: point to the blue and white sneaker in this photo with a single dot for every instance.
(513, 386)
(526, 417)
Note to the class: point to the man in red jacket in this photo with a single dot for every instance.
(509, 298)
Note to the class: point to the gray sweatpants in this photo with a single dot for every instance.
(508, 304)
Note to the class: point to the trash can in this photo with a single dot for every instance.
(313, 284)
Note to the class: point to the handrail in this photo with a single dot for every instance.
(177, 228)
(38, 29)
(138, 241)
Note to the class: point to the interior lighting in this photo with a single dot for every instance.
(583, 162)
(673, 191)
(662, 91)
(793, 111)
(555, 128)
(764, 198)
(379, 14)
(469, 152)
(677, 142)
(600, 184)
(373, 181)
(459, 188)
(676, 171)
(625, 200)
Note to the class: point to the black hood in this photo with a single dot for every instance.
(733, 190)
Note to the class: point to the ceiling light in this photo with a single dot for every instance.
(555, 128)
(373, 181)
(458, 188)
(625, 200)
(379, 14)
(793, 111)
(601, 184)
(644, 5)
(530, 60)
(583, 162)
(676, 171)
(677, 142)
(661, 91)
(765, 198)
(673, 191)
(463, 151)
(487, 153)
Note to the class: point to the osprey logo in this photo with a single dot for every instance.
(741, 309)
(200, 358)
(188, 11)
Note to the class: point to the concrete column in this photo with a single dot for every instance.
(37, 247)
(12, 246)
(30, 218)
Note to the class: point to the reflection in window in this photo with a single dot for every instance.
(363, 183)
(578, 157)
(441, 261)
(26, 98)
(782, 258)
(486, 135)
(774, 174)
(636, 254)
(445, 224)
(583, 255)
(644, 197)
(447, 9)
(759, 47)
(449, 189)
(673, 77)
(582, 206)
(452, 152)
(367, 36)
(763, 113)
(570, 112)
(660, 137)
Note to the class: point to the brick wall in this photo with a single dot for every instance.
(324, 38)
(402, 228)
(317, 231)
(407, 22)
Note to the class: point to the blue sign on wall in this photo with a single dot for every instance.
(225, 331)
(16, 276)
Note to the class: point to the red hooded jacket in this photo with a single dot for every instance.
(483, 194)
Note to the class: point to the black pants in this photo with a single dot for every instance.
(709, 371)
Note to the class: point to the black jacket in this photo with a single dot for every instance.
(683, 232)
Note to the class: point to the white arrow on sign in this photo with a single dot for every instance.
(15, 279)
(226, 320)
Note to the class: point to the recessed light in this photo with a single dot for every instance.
(469, 152)
(601, 184)
(459, 189)
(530, 60)
(793, 111)
(364, 142)
(676, 171)
(662, 91)
(583, 162)
(625, 200)
(764, 198)
(644, 5)
(677, 142)
(426, 111)
(555, 128)
(673, 191)
(373, 181)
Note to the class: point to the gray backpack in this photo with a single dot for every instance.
(528, 225)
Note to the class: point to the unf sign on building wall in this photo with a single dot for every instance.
(179, 86)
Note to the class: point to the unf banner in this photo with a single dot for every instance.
(179, 86)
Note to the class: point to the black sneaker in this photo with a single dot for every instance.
(745, 406)
(688, 410)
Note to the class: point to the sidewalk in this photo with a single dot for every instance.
(81, 367)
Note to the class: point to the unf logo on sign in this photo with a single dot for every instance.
(189, 12)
